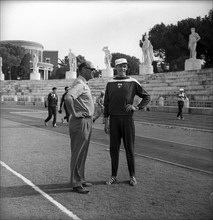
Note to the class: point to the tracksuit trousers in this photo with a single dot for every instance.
(52, 111)
(80, 134)
(122, 127)
(180, 109)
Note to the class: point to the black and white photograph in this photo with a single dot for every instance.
(106, 110)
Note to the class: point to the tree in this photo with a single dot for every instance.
(133, 63)
(170, 42)
(64, 67)
(11, 59)
(23, 70)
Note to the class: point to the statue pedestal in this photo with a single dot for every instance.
(1, 76)
(107, 72)
(70, 75)
(35, 76)
(192, 64)
(145, 69)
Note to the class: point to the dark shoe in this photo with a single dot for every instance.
(132, 181)
(80, 189)
(111, 180)
(86, 184)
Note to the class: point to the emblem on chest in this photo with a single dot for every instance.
(119, 85)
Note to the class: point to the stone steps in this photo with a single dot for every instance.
(197, 84)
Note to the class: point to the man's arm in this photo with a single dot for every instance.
(106, 114)
(69, 102)
(142, 93)
(62, 101)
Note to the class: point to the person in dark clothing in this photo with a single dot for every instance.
(67, 115)
(52, 104)
(119, 108)
(100, 106)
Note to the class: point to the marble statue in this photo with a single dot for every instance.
(107, 58)
(35, 63)
(193, 63)
(35, 75)
(147, 49)
(1, 73)
(72, 61)
(72, 73)
(108, 72)
(193, 39)
(147, 56)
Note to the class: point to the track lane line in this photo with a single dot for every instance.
(141, 155)
(45, 195)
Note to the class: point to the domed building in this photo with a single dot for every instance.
(47, 60)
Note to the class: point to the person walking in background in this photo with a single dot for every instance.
(100, 107)
(181, 98)
(79, 102)
(62, 103)
(52, 105)
(119, 108)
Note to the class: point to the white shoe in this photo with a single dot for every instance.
(132, 181)
(111, 180)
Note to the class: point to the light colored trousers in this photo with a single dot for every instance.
(80, 134)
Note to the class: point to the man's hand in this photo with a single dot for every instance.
(106, 126)
(79, 115)
(130, 108)
(60, 111)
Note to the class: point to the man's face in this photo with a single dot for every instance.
(192, 30)
(89, 72)
(54, 91)
(121, 69)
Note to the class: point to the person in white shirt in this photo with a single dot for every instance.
(181, 98)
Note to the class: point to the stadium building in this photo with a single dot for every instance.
(47, 60)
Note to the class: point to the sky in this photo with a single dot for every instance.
(86, 27)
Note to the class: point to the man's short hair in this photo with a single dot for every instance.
(84, 64)
(54, 88)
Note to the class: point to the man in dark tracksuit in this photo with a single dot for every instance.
(52, 105)
(118, 106)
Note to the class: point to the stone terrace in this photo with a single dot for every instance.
(197, 84)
